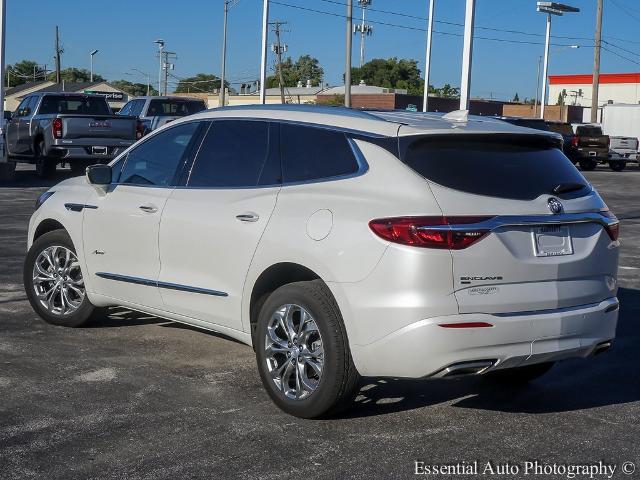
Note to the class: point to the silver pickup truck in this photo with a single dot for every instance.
(54, 128)
(154, 112)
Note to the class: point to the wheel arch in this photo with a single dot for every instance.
(45, 226)
(271, 279)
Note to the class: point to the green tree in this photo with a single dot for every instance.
(200, 83)
(390, 73)
(134, 89)
(447, 91)
(75, 75)
(22, 72)
(516, 98)
(561, 97)
(303, 69)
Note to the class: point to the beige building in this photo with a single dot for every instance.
(115, 97)
(295, 95)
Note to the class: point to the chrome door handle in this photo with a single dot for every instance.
(248, 217)
(148, 208)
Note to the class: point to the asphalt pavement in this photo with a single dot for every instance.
(137, 397)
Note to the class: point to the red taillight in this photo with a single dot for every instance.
(429, 232)
(574, 141)
(139, 130)
(56, 127)
(613, 229)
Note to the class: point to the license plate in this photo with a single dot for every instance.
(593, 154)
(99, 150)
(552, 241)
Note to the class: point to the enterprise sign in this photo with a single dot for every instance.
(110, 96)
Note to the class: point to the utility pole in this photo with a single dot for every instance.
(59, 51)
(166, 65)
(596, 64)
(279, 49)
(347, 71)
(467, 53)
(160, 44)
(364, 29)
(427, 63)
(263, 61)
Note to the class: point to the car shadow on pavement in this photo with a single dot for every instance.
(579, 384)
(25, 177)
(122, 317)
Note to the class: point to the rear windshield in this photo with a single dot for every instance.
(589, 131)
(514, 169)
(174, 108)
(74, 105)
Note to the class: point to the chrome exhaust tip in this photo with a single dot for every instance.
(601, 348)
(465, 368)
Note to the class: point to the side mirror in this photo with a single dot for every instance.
(99, 174)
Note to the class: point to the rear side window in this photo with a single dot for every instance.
(511, 168)
(310, 153)
(236, 153)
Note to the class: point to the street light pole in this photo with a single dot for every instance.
(467, 54)
(91, 54)
(427, 62)
(596, 65)
(550, 8)
(221, 95)
(263, 62)
(347, 71)
(545, 67)
(160, 44)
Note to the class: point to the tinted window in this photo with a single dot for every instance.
(166, 108)
(511, 168)
(310, 153)
(529, 123)
(561, 128)
(74, 105)
(236, 154)
(22, 106)
(136, 107)
(126, 109)
(155, 161)
(589, 131)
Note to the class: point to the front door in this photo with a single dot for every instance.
(121, 226)
(211, 228)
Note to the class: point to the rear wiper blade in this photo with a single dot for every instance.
(568, 187)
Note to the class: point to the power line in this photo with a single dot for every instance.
(407, 27)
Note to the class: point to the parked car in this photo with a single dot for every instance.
(52, 128)
(155, 112)
(340, 243)
(589, 146)
(622, 150)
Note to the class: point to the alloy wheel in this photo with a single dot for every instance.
(294, 352)
(57, 280)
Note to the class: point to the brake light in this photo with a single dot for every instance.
(139, 130)
(430, 232)
(613, 229)
(56, 127)
(574, 141)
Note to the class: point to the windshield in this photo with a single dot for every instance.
(74, 105)
(513, 168)
(174, 108)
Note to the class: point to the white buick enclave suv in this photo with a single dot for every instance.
(340, 243)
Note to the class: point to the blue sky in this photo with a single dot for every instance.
(124, 32)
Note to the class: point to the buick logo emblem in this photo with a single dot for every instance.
(555, 206)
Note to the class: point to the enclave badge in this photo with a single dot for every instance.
(555, 206)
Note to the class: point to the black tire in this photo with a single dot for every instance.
(618, 166)
(84, 311)
(7, 171)
(339, 380)
(45, 167)
(519, 375)
(588, 165)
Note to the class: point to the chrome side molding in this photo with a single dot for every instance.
(158, 284)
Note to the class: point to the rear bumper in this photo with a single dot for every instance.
(425, 348)
(84, 153)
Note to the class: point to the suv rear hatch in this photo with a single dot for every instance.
(540, 237)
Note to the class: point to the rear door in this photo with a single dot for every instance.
(539, 239)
